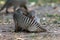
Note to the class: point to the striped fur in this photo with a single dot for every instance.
(26, 23)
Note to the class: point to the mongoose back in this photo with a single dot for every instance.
(15, 4)
(25, 23)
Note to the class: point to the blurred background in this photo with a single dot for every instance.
(44, 9)
(48, 12)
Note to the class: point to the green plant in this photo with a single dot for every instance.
(49, 15)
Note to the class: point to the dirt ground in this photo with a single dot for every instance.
(7, 33)
(28, 36)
